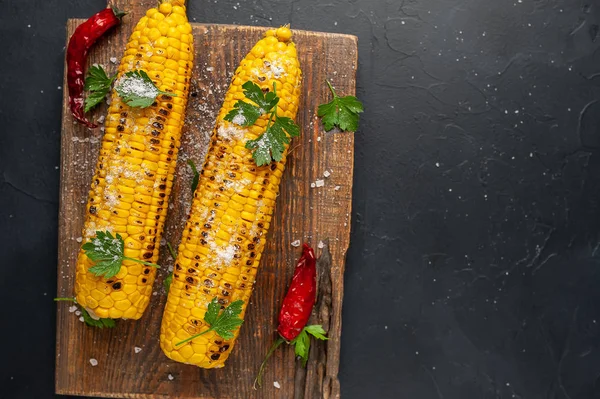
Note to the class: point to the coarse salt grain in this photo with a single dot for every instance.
(79, 239)
(319, 138)
(73, 309)
(81, 319)
(101, 119)
(137, 349)
(113, 60)
(337, 188)
(276, 384)
(327, 173)
(170, 377)
(319, 183)
(77, 313)
(313, 185)
(320, 245)
(93, 362)
(295, 243)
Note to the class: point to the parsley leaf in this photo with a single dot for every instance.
(243, 114)
(262, 150)
(97, 83)
(223, 323)
(302, 341)
(196, 175)
(87, 318)
(169, 279)
(265, 101)
(302, 346)
(341, 111)
(317, 331)
(272, 143)
(106, 251)
(167, 282)
(138, 90)
(172, 251)
(100, 323)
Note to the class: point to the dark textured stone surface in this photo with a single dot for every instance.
(473, 268)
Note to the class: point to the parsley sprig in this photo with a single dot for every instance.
(97, 84)
(271, 144)
(138, 90)
(87, 318)
(341, 112)
(107, 253)
(223, 323)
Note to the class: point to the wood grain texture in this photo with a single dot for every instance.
(302, 213)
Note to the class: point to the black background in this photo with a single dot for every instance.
(473, 266)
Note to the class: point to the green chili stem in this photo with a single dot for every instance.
(258, 380)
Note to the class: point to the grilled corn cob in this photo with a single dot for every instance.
(130, 190)
(225, 234)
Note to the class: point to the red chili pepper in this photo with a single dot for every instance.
(297, 304)
(80, 42)
(301, 296)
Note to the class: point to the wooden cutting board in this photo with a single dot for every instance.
(319, 214)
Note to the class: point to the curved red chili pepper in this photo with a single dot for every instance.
(80, 42)
(297, 305)
(301, 296)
